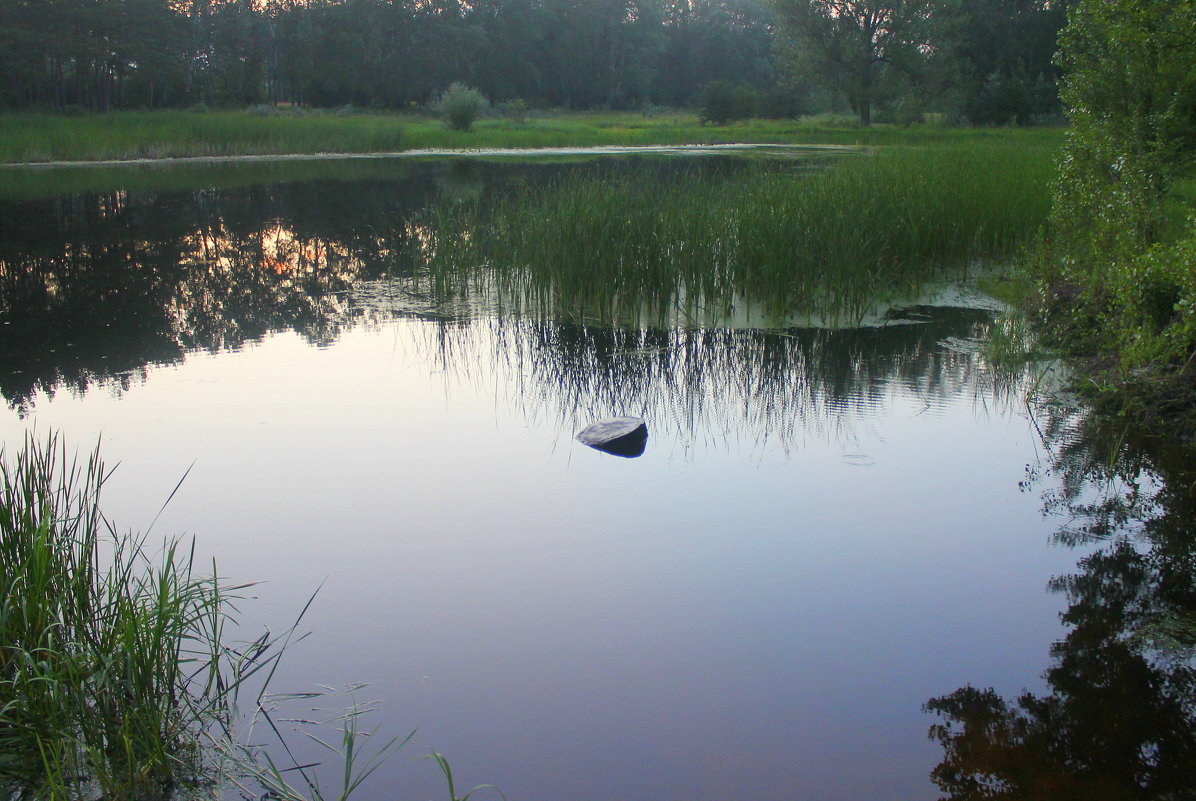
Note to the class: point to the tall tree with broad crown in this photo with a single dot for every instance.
(851, 44)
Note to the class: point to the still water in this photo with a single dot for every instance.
(829, 526)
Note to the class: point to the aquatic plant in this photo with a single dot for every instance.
(117, 679)
(827, 238)
(111, 664)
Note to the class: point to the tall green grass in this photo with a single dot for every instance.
(110, 656)
(831, 240)
(117, 680)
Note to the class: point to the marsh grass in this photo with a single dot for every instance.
(110, 665)
(1012, 341)
(354, 751)
(828, 239)
(117, 678)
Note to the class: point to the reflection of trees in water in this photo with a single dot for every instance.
(764, 385)
(1120, 721)
(95, 287)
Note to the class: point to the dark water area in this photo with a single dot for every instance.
(834, 539)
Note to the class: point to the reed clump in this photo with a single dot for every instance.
(112, 675)
(829, 238)
(117, 681)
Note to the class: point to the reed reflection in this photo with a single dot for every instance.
(1120, 718)
(753, 385)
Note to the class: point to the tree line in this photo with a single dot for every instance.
(981, 61)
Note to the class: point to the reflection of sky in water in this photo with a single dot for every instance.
(728, 615)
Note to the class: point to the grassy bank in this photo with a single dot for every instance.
(828, 239)
(172, 134)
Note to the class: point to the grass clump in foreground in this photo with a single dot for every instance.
(115, 678)
(110, 660)
(830, 240)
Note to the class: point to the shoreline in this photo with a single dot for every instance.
(596, 150)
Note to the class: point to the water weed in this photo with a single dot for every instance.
(110, 665)
(117, 679)
(825, 239)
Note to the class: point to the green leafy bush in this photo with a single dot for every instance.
(1130, 94)
(516, 109)
(459, 106)
(1152, 303)
(722, 103)
(780, 103)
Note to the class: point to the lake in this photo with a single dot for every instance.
(830, 524)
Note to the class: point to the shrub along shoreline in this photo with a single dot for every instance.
(1117, 267)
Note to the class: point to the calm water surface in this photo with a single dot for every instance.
(827, 528)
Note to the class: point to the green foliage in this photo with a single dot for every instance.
(110, 666)
(1151, 303)
(516, 109)
(1130, 92)
(722, 103)
(992, 59)
(909, 109)
(459, 106)
(862, 49)
(780, 103)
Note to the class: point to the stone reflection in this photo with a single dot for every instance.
(1120, 720)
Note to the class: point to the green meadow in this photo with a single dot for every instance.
(38, 138)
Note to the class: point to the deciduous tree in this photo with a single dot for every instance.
(854, 45)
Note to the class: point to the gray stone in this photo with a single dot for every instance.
(621, 436)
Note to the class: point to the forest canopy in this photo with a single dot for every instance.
(978, 61)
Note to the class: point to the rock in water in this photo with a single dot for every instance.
(622, 436)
